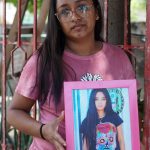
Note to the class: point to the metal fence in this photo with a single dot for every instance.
(13, 44)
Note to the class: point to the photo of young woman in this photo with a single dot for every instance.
(102, 127)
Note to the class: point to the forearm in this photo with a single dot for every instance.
(22, 121)
(122, 145)
(84, 146)
(121, 138)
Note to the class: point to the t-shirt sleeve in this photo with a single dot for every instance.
(26, 85)
(118, 120)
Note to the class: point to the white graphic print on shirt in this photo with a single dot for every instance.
(91, 77)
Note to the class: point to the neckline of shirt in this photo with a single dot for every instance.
(75, 56)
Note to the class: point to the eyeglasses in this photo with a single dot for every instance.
(65, 15)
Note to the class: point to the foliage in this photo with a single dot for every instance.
(12, 139)
(138, 8)
(30, 4)
(0, 78)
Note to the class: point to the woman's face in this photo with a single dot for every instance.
(77, 18)
(100, 101)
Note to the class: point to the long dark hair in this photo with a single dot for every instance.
(92, 116)
(50, 65)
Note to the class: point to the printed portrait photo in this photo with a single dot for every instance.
(104, 111)
(101, 118)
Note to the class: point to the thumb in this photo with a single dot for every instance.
(61, 117)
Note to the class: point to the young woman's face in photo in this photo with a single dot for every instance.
(77, 17)
(100, 101)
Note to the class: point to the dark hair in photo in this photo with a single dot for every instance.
(92, 116)
(50, 66)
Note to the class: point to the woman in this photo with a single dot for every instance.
(105, 131)
(72, 51)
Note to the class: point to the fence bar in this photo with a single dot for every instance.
(4, 78)
(106, 20)
(35, 43)
(18, 45)
(126, 25)
(146, 137)
(35, 26)
(19, 22)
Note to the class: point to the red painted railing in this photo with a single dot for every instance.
(4, 78)
(126, 46)
(146, 138)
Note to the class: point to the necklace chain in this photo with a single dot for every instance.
(101, 118)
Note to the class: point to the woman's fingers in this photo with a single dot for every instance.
(60, 139)
(50, 131)
(55, 123)
(60, 118)
(58, 146)
(57, 136)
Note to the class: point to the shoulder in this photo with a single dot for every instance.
(115, 50)
(84, 122)
(26, 85)
(33, 58)
(120, 60)
(115, 119)
(31, 62)
(29, 71)
(115, 115)
(118, 119)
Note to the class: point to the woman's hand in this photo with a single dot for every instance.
(50, 133)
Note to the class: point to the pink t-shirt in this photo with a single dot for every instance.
(110, 63)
